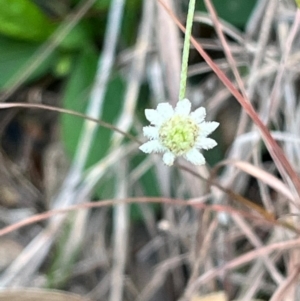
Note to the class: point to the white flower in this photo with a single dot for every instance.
(178, 132)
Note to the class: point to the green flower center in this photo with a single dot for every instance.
(179, 134)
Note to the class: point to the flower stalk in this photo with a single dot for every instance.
(186, 49)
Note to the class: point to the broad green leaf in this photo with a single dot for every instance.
(298, 3)
(22, 19)
(235, 12)
(131, 21)
(102, 4)
(78, 38)
(14, 55)
(76, 98)
(111, 110)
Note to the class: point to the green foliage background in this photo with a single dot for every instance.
(234, 11)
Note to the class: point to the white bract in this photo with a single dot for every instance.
(178, 132)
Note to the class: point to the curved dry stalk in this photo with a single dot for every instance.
(193, 203)
(261, 175)
(70, 112)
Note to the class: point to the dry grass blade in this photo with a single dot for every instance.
(26, 294)
(199, 258)
(120, 236)
(136, 72)
(282, 292)
(244, 259)
(263, 176)
(277, 83)
(169, 49)
(264, 33)
(194, 203)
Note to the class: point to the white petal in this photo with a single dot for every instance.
(207, 127)
(206, 143)
(154, 117)
(152, 146)
(195, 157)
(199, 115)
(165, 110)
(183, 107)
(150, 132)
(169, 158)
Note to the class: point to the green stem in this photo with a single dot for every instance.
(186, 49)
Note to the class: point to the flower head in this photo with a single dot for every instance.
(178, 132)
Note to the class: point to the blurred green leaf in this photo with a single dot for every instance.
(78, 38)
(130, 22)
(298, 3)
(236, 12)
(102, 4)
(76, 97)
(60, 269)
(22, 19)
(14, 55)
